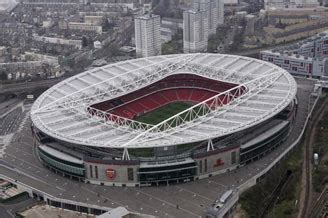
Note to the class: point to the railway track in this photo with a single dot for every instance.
(307, 157)
(320, 209)
(277, 191)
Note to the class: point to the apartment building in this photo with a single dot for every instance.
(195, 31)
(148, 35)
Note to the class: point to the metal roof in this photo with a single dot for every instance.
(265, 134)
(62, 111)
(60, 155)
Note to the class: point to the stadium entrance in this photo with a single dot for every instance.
(172, 172)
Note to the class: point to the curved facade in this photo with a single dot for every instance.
(87, 126)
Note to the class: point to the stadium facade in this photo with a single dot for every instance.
(93, 127)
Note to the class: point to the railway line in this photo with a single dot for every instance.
(309, 139)
(320, 209)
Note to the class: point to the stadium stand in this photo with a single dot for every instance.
(174, 88)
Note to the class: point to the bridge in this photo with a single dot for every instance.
(15, 88)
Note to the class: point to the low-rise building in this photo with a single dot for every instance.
(297, 64)
(3, 51)
(95, 20)
(54, 40)
(280, 4)
(49, 2)
(316, 46)
(231, 2)
(166, 34)
(169, 27)
(41, 57)
(64, 25)
(85, 27)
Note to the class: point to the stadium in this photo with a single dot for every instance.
(164, 119)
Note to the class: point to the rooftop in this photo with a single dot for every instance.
(147, 16)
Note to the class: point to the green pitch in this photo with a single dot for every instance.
(163, 113)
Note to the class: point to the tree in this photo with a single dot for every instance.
(85, 41)
(168, 48)
(107, 25)
(213, 42)
(3, 76)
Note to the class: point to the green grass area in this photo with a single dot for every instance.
(254, 200)
(165, 112)
(286, 205)
(320, 147)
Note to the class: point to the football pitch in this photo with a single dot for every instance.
(163, 113)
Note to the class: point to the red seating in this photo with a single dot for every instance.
(184, 94)
(123, 112)
(136, 106)
(197, 95)
(180, 87)
(171, 94)
(205, 96)
(160, 99)
(149, 103)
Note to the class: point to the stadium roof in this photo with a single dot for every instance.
(62, 111)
